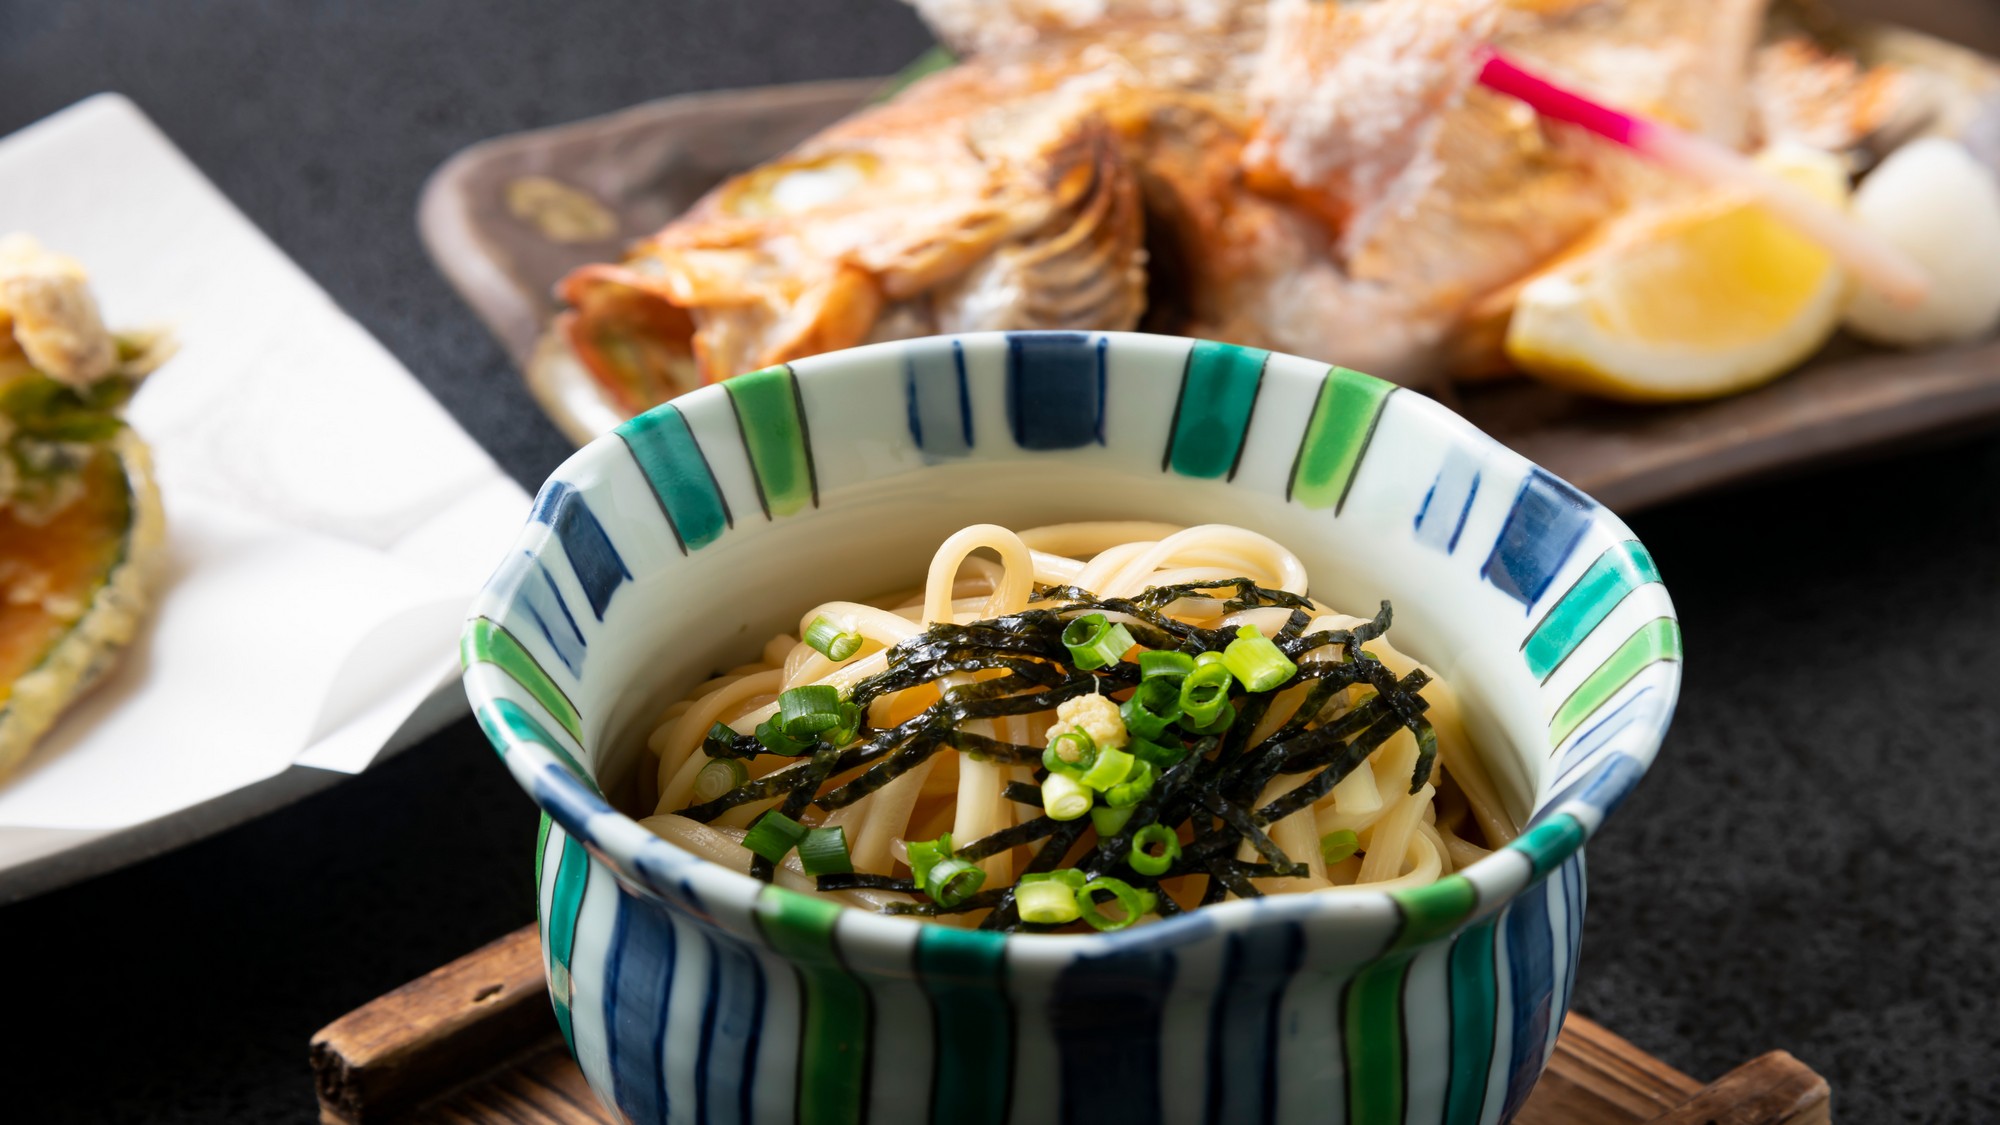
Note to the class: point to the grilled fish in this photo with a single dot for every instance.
(1320, 178)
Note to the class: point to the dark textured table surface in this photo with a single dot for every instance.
(1809, 867)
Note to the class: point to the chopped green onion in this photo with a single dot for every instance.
(1205, 694)
(1109, 821)
(806, 711)
(1068, 876)
(1159, 755)
(1257, 661)
(850, 724)
(1336, 846)
(1154, 850)
(1224, 719)
(719, 776)
(1128, 900)
(1212, 656)
(773, 834)
(926, 854)
(1157, 663)
(830, 640)
(1113, 766)
(720, 740)
(772, 734)
(952, 881)
(1133, 789)
(823, 851)
(1071, 752)
(1153, 707)
(1047, 902)
(1095, 642)
(1064, 797)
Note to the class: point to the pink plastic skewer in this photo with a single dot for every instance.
(1874, 262)
(1552, 101)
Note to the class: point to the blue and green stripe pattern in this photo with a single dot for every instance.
(671, 458)
(1621, 569)
(1337, 437)
(698, 1024)
(691, 994)
(1212, 414)
(772, 422)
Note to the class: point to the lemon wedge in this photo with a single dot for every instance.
(1690, 301)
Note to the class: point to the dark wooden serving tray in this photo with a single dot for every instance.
(475, 1043)
(645, 165)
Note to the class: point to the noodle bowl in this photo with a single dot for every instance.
(755, 521)
(1340, 762)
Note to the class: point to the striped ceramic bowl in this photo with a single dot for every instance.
(679, 543)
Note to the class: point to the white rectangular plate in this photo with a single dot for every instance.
(327, 521)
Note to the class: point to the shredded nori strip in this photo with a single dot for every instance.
(1026, 832)
(1246, 826)
(903, 761)
(1237, 740)
(900, 677)
(742, 746)
(1263, 870)
(1295, 624)
(814, 775)
(1298, 745)
(1005, 916)
(1167, 907)
(1198, 853)
(1427, 752)
(1308, 749)
(1051, 854)
(1322, 783)
(756, 789)
(863, 881)
(981, 748)
(1315, 702)
(1226, 877)
(1212, 789)
(1028, 703)
(1219, 881)
(1022, 794)
(981, 900)
(1351, 639)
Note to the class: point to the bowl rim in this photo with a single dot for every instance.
(651, 866)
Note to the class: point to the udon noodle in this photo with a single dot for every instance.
(1037, 739)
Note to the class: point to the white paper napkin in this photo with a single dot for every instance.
(327, 521)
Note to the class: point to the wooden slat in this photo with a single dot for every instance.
(1598, 1076)
(474, 1043)
(545, 1089)
(433, 1033)
(1773, 1089)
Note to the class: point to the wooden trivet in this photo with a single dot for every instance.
(475, 1043)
